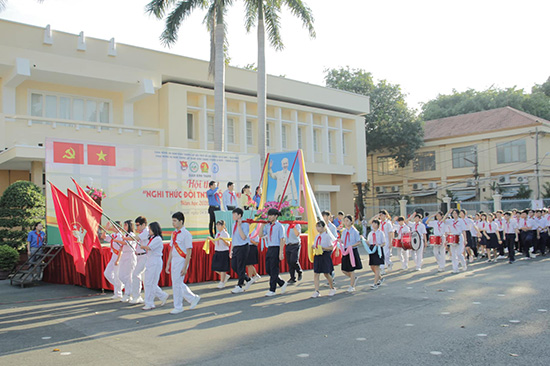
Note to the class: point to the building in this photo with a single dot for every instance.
(502, 146)
(75, 87)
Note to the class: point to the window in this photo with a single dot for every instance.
(210, 128)
(69, 107)
(387, 165)
(300, 144)
(249, 137)
(231, 130)
(424, 161)
(464, 157)
(283, 136)
(323, 200)
(511, 152)
(315, 140)
(190, 127)
(267, 135)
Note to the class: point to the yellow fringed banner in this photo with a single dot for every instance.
(206, 246)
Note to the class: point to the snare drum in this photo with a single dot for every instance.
(406, 241)
(435, 240)
(453, 239)
(396, 243)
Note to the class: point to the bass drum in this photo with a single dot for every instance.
(416, 240)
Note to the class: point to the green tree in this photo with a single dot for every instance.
(267, 13)
(391, 126)
(215, 21)
(546, 190)
(524, 192)
(21, 206)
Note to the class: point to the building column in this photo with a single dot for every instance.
(128, 113)
(278, 142)
(447, 200)
(325, 137)
(309, 137)
(498, 201)
(403, 207)
(340, 144)
(37, 171)
(203, 122)
(242, 129)
(294, 118)
(20, 72)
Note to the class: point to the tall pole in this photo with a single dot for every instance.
(537, 175)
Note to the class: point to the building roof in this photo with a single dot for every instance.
(480, 122)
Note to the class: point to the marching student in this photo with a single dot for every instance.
(240, 246)
(153, 247)
(457, 232)
(376, 238)
(493, 238)
(542, 234)
(469, 225)
(180, 258)
(543, 224)
(322, 263)
(331, 228)
(112, 270)
(499, 220)
(402, 253)
(511, 235)
(274, 236)
(387, 228)
(229, 197)
(418, 226)
(251, 261)
(246, 198)
(292, 251)
(213, 205)
(141, 259)
(439, 241)
(127, 261)
(482, 227)
(351, 260)
(221, 263)
(526, 233)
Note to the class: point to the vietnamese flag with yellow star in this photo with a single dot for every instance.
(101, 155)
(68, 153)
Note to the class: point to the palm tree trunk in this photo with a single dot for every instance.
(219, 88)
(262, 84)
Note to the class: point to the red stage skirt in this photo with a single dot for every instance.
(62, 270)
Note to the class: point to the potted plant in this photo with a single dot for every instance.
(8, 259)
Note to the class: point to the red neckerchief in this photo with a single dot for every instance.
(439, 223)
(416, 227)
(38, 236)
(383, 224)
(232, 196)
(271, 230)
(290, 226)
(374, 238)
(150, 240)
(346, 238)
(318, 241)
(234, 229)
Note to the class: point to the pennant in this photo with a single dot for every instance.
(61, 206)
(68, 153)
(86, 197)
(101, 155)
(84, 223)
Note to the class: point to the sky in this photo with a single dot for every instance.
(429, 47)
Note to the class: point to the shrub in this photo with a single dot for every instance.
(21, 206)
(8, 258)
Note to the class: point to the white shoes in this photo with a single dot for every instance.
(139, 300)
(315, 295)
(116, 297)
(163, 300)
(283, 287)
(332, 292)
(195, 302)
(374, 286)
(350, 290)
(440, 270)
(125, 298)
(270, 293)
(221, 285)
(176, 311)
(147, 307)
(237, 290)
(256, 277)
(249, 283)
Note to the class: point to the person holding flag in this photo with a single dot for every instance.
(127, 261)
(112, 270)
(141, 260)
(274, 236)
(180, 257)
(153, 266)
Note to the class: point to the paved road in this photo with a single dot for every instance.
(465, 319)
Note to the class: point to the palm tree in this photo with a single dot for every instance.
(216, 25)
(268, 11)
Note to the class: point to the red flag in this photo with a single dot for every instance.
(84, 223)
(68, 153)
(61, 206)
(86, 197)
(101, 155)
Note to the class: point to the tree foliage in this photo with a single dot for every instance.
(524, 192)
(536, 103)
(21, 206)
(391, 126)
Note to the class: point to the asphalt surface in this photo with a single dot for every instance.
(495, 314)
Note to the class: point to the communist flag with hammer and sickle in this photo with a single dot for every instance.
(68, 153)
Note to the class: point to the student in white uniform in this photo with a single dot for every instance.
(111, 272)
(179, 259)
(274, 236)
(292, 251)
(471, 233)
(240, 236)
(229, 198)
(438, 240)
(387, 228)
(376, 239)
(401, 229)
(456, 229)
(511, 235)
(153, 267)
(322, 263)
(350, 241)
(492, 234)
(127, 261)
(331, 228)
(221, 263)
(141, 260)
(418, 226)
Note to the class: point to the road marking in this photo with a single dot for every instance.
(501, 295)
(450, 290)
(65, 353)
(409, 325)
(409, 288)
(435, 353)
(514, 321)
(542, 310)
(303, 355)
(361, 339)
(46, 337)
(445, 313)
(482, 335)
(476, 303)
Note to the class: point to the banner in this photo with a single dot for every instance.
(148, 181)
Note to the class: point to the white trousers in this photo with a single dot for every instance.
(403, 257)
(387, 254)
(180, 290)
(418, 256)
(151, 283)
(126, 270)
(457, 255)
(111, 274)
(439, 254)
(138, 275)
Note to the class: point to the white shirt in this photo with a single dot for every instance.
(386, 227)
(229, 199)
(325, 241)
(402, 229)
(114, 245)
(491, 227)
(509, 227)
(144, 239)
(155, 247)
(220, 245)
(380, 238)
(456, 227)
(440, 228)
(332, 229)
(419, 228)
(184, 240)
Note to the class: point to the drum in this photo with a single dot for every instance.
(396, 243)
(416, 240)
(435, 240)
(453, 239)
(411, 241)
